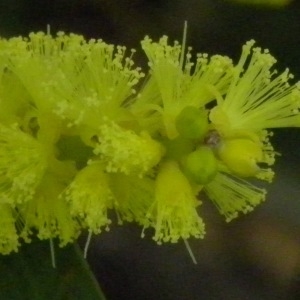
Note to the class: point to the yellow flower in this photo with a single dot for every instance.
(79, 140)
(90, 197)
(134, 196)
(48, 214)
(55, 94)
(127, 152)
(176, 82)
(23, 161)
(174, 213)
(257, 98)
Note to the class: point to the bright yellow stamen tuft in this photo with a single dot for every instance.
(48, 214)
(134, 196)
(181, 84)
(232, 195)
(23, 161)
(257, 98)
(174, 215)
(127, 152)
(90, 197)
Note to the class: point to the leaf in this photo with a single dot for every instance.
(29, 275)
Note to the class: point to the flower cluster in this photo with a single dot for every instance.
(85, 135)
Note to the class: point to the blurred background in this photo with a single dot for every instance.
(256, 257)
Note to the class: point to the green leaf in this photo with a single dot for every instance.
(29, 275)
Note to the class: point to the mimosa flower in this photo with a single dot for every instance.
(83, 136)
(179, 82)
(23, 161)
(173, 214)
(257, 99)
(126, 152)
(47, 214)
(54, 93)
(90, 197)
(134, 196)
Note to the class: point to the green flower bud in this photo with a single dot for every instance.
(192, 122)
(200, 165)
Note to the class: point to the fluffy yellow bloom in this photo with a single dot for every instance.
(23, 161)
(48, 214)
(257, 97)
(178, 82)
(173, 214)
(89, 197)
(134, 196)
(126, 152)
(84, 136)
(54, 92)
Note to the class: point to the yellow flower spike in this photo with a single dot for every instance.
(257, 97)
(241, 156)
(127, 152)
(77, 139)
(232, 195)
(89, 197)
(173, 214)
(48, 214)
(9, 240)
(23, 162)
(180, 83)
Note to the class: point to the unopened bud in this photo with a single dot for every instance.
(200, 165)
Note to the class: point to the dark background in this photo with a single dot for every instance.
(255, 257)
